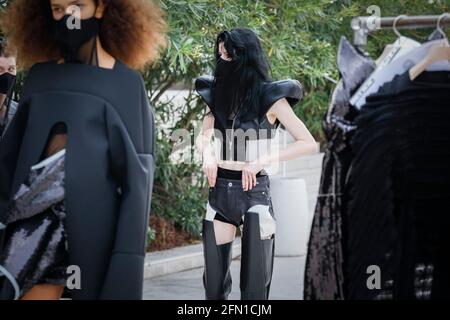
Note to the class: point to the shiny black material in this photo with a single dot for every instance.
(231, 202)
(217, 276)
(257, 260)
(259, 124)
(35, 248)
(399, 221)
(385, 190)
(35, 252)
(324, 274)
(108, 171)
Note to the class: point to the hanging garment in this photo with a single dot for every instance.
(324, 277)
(402, 64)
(398, 191)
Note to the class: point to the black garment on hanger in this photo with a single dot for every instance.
(399, 189)
(385, 189)
(324, 274)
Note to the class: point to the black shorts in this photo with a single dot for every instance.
(231, 202)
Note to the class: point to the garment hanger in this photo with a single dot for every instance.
(437, 52)
(400, 46)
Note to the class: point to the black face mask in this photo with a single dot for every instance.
(226, 69)
(7, 81)
(225, 89)
(70, 40)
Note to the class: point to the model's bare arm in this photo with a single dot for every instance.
(204, 145)
(304, 142)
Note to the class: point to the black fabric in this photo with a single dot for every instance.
(257, 261)
(324, 273)
(34, 253)
(11, 109)
(217, 275)
(70, 38)
(231, 202)
(235, 174)
(226, 87)
(384, 190)
(109, 167)
(59, 128)
(399, 220)
(7, 81)
(258, 127)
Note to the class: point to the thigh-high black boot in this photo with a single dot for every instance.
(217, 276)
(257, 260)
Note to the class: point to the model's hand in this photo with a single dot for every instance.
(210, 169)
(249, 175)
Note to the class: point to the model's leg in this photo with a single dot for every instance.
(217, 247)
(44, 292)
(258, 240)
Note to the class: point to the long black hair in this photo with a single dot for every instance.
(244, 47)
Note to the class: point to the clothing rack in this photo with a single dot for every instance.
(364, 25)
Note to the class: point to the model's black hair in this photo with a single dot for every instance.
(243, 45)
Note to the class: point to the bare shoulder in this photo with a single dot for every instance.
(281, 105)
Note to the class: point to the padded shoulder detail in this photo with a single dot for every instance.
(203, 86)
(292, 90)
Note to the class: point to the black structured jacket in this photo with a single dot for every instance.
(109, 167)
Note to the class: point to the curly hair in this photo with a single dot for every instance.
(132, 31)
(6, 50)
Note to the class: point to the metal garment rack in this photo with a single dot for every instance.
(362, 26)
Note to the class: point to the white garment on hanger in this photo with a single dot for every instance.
(400, 47)
(402, 64)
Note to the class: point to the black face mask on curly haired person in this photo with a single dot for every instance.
(72, 34)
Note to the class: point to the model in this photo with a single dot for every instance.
(77, 160)
(245, 108)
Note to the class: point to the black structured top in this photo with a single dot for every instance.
(232, 131)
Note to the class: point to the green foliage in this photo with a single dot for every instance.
(179, 191)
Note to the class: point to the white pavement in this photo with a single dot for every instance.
(287, 282)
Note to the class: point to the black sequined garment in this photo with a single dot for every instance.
(324, 274)
(35, 245)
